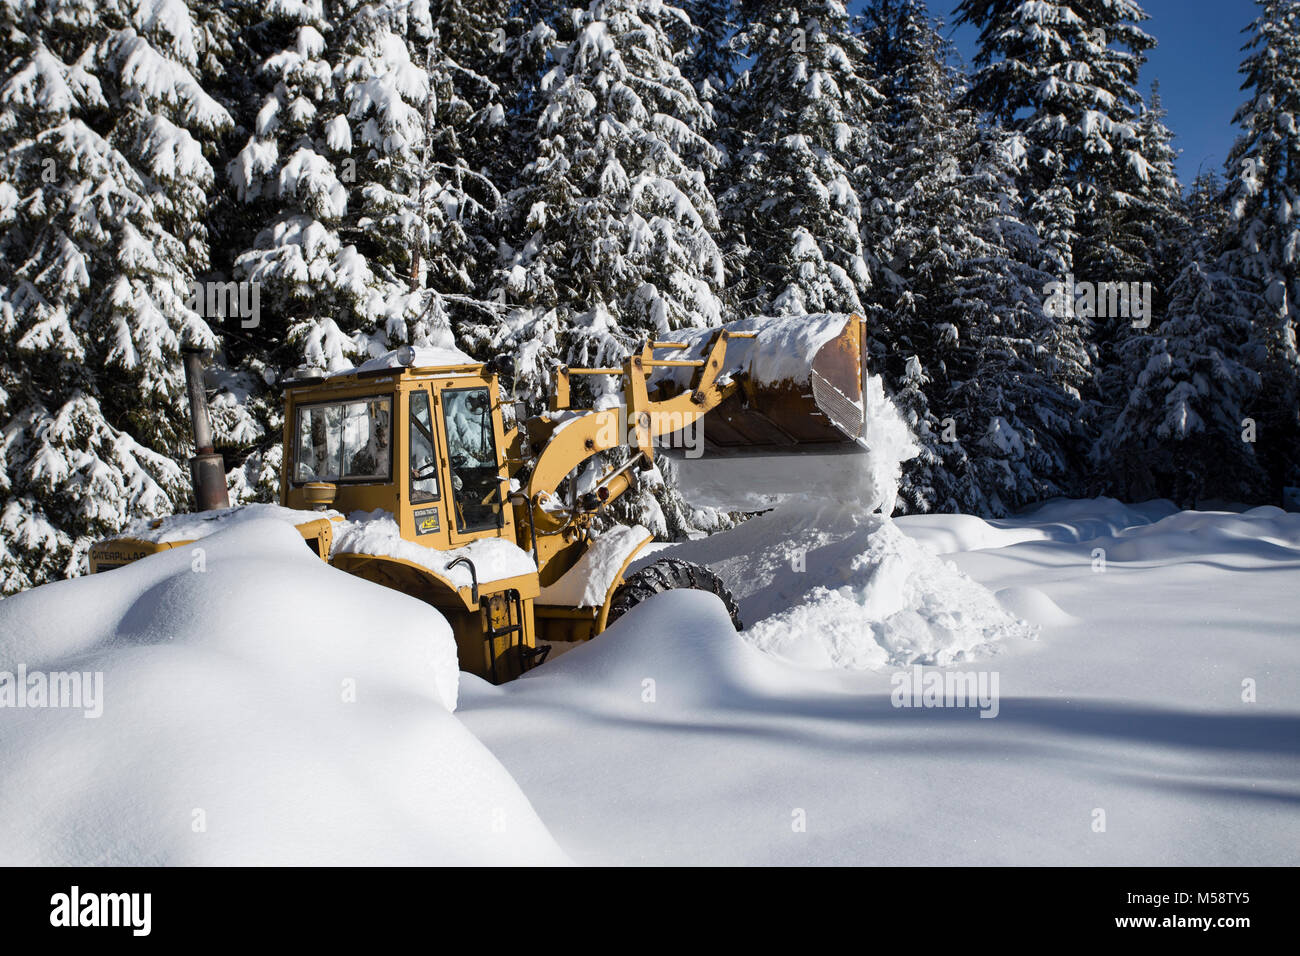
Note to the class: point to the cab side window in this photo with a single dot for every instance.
(424, 459)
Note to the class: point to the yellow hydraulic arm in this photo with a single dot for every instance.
(575, 440)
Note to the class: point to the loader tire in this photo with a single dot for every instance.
(668, 574)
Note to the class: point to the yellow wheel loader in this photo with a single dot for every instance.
(406, 472)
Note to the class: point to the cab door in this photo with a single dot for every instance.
(424, 469)
(469, 426)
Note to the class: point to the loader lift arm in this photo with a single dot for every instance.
(573, 441)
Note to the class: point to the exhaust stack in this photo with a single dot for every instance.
(207, 468)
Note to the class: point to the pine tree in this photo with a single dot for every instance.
(104, 184)
(960, 328)
(1180, 433)
(613, 222)
(1263, 231)
(1207, 214)
(1156, 220)
(711, 63)
(437, 215)
(799, 194)
(1063, 73)
(1152, 227)
(341, 122)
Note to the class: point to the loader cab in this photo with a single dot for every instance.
(424, 443)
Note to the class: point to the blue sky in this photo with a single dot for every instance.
(1196, 63)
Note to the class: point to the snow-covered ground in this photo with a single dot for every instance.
(1129, 702)
(301, 715)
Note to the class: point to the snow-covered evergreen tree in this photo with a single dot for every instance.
(1180, 433)
(436, 209)
(799, 184)
(711, 61)
(960, 328)
(1063, 73)
(1155, 221)
(613, 221)
(104, 185)
(1151, 228)
(1207, 214)
(1097, 176)
(1263, 230)
(340, 126)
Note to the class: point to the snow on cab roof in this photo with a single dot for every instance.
(411, 357)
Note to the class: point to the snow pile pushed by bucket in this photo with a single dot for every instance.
(879, 600)
(829, 581)
(241, 702)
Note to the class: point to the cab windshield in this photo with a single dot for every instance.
(349, 440)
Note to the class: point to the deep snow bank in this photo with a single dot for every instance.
(682, 642)
(826, 585)
(257, 707)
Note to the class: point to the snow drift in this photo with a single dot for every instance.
(830, 585)
(259, 707)
(690, 747)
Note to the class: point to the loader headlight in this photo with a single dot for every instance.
(406, 356)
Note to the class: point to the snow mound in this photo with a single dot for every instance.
(256, 707)
(678, 651)
(191, 527)
(829, 586)
(1033, 605)
(951, 534)
(1058, 520)
(1266, 532)
(1063, 519)
(886, 601)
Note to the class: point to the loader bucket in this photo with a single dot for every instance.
(801, 382)
(795, 428)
